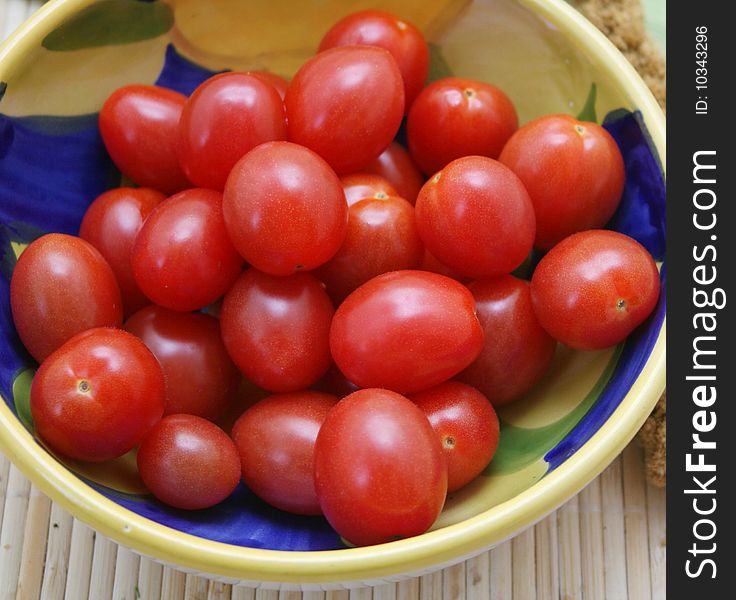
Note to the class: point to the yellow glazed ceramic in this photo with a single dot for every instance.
(55, 73)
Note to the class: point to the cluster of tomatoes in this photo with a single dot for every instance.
(304, 183)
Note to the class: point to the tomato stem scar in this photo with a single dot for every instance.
(449, 442)
(83, 386)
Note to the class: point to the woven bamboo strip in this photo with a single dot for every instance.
(502, 575)
(522, 557)
(150, 574)
(102, 577)
(614, 542)
(547, 557)
(35, 537)
(81, 549)
(635, 521)
(11, 538)
(57, 554)
(125, 583)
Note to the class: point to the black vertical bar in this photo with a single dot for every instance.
(701, 257)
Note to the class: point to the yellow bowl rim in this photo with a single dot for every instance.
(413, 555)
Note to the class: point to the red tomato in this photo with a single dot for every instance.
(60, 287)
(111, 225)
(139, 125)
(467, 427)
(182, 258)
(285, 209)
(346, 104)
(227, 116)
(279, 83)
(358, 186)
(379, 469)
(96, 397)
(431, 264)
(275, 439)
(396, 165)
(188, 462)
(476, 217)
(276, 329)
(573, 171)
(594, 288)
(335, 383)
(382, 236)
(201, 379)
(406, 331)
(456, 117)
(379, 28)
(517, 352)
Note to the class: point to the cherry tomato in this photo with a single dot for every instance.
(279, 83)
(396, 165)
(379, 28)
(466, 425)
(111, 225)
(275, 439)
(382, 236)
(285, 209)
(431, 264)
(456, 117)
(476, 217)
(517, 351)
(594, 288)
(573, 171)
(182, 258)
(346, 104)
(96, 397)
(406, 331)
(379, 469)
(188, 462)
(227, 116)
(335, 383)
(139, 125)
(60, 287)
(201, 379)
(276, 329)
(358, 186)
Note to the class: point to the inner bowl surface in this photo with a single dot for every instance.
(55, 73)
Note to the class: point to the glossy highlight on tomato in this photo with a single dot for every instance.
(276, 329)
(456, 117)
(406, 331)
(382, 236)
(594, 288)
(517, 351)
(284, 209)
(188, 462)
(201, 379)
(476, 217)
(385, 30)
(96, 397)
(573, 171)
(139, 125)
(466, 425)
(346, 104)
(378, 468)
(61, 286)
(183, 258)
(358, 186)
(111, 224)
(275, 439)
(396, 165)
(227, 116)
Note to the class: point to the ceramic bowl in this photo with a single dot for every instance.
(55, 73)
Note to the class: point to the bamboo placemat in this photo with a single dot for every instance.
(607, 542)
